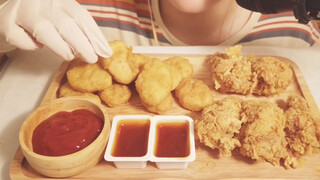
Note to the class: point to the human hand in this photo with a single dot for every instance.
(61, 25)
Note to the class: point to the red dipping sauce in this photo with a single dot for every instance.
(66, 132)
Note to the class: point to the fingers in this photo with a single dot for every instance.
(89, 27)
(18, 37)
(45, 33)
(75, 38)
(14, 34)
(67, 32)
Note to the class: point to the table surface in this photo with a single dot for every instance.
(25, 78)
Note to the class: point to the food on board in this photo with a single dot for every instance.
(234, 73)
(115, 95)
(194, 94)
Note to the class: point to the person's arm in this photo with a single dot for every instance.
(63, 26)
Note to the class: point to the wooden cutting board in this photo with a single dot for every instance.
(208, 163)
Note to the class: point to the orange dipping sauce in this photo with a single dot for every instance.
(172, 139)
(131, 139)
(66, 132)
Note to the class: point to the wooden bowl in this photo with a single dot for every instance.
(71, 164)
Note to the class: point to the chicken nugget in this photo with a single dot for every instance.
(139, 60)
(194, 94)
(86, 77)
(219, 123)
(262, 135)
(176, 77)
(273, 75)
(66, 90)
(120, 64)
(115, 95)
(163, 107)
(182, 64)
(154, 82)
(232, 72)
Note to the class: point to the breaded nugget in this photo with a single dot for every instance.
(66, 90)
(274, 75)
(163, 107)
(120, 64)
(183, 65)
(194, 94)
(219, 123)
(154, 82)
(262, 135)
(139, 60)
(86, 77)
(302, 129)
(232, 72)
(115, 95)
(180, 68)
(176, 77)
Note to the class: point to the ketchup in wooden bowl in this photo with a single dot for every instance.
(65, 137)
(66, 132)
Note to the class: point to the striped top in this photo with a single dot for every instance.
(131, 22)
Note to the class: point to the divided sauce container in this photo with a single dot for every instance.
(168, 141)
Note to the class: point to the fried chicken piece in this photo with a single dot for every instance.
(219, 123)
(183, 65)
(115, 95)
(274, 75)
(194, 94)
(302, 130)
(139, 60)
(231, 72)
(162, 107)
(182, 68)
(66, 90)
(86, 77)
(154, 82)
(176, 77)
(262, 135)
(120, 65)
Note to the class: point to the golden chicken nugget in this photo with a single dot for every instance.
(176, 77)
(274, 75)
(139, 60)
(163, 107)
(154, 82)
(183, 65)
(115, 95)
(120, 65)
(194, 94)
(219, 124)
(66, 90)
(86, 77)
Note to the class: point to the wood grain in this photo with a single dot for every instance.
(208, 163)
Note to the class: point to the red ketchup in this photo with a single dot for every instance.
(66, 132)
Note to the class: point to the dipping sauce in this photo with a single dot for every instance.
(172, 139)
(131, 139)
(66, 132)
